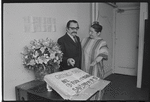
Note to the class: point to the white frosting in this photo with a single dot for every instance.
(71, 82)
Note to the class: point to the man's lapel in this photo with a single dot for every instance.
(70, 39)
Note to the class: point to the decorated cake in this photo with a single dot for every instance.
(72, 83)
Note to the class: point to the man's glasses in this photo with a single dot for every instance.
(73, 28)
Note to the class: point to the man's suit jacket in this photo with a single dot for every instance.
(70, 49)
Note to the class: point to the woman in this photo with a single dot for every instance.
(94, 51)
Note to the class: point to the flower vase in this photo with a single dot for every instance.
(51, 70)
(39, 75)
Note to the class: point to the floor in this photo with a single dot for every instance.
(123, 87)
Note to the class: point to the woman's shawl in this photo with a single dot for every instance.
(91, 49)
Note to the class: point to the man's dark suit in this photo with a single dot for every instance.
(70, 50)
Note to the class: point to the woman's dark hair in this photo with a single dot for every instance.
(97, 26)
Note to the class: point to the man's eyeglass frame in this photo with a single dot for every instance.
(73, 28)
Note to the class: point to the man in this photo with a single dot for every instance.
(71, 46)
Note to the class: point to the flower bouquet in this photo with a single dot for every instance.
(42, 56)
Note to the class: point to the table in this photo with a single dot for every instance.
(36, 90)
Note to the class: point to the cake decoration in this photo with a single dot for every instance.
(72, 82)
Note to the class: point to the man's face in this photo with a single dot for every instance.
(73, 28)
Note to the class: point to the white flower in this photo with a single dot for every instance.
(35, 54)
(58, 61)
(42, 49)
(57, 58)
(58, 51)
(55, 61)
(54, 48)
(46, 60)
(32, 62)
(36, 61)
(41, 40)
(32, 47)
(46, 43)
(42, 52)
(52, 55)
(40, 60)
(37, 46)
(26, 56)
(46, 56)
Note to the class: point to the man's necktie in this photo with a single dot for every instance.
(75, 39)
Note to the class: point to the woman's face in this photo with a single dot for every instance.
(93, 33)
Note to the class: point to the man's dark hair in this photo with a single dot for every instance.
(70, 21)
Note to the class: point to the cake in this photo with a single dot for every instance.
(71, 83)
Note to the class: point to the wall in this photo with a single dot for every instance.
(143, 16)
(15, 38)
(105, 17)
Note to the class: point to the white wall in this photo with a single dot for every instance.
(14, 37)
(143, 16)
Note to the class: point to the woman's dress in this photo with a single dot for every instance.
(91, 49)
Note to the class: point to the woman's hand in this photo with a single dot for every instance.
(98, 59)
(93, 63)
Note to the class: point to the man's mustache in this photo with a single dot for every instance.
(74, 32)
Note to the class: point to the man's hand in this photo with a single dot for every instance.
(71, 61)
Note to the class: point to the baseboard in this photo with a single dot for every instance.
(107, 73)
